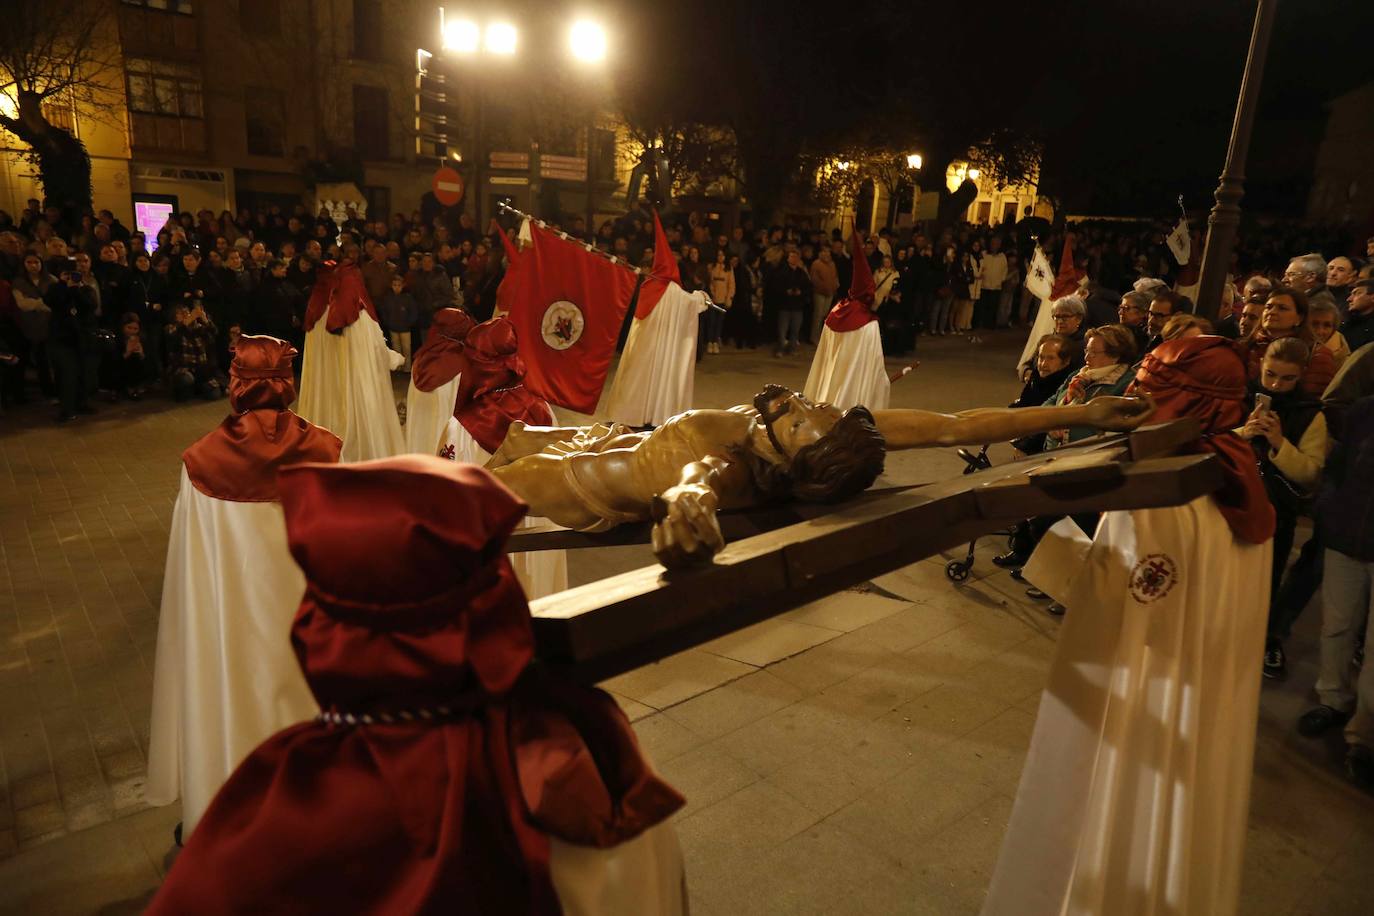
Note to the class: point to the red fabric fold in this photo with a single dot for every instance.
(239, 460)
(855, 310)
(568, 305)
(339, 289)
(1204, 377)
(491, 393)
(446, 814)
(442, 357)
(665, 271)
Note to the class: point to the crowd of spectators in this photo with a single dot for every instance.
(91, 310)
(1304, 328)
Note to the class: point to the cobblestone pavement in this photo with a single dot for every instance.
(858, 755)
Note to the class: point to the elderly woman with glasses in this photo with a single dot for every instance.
(1069, 316)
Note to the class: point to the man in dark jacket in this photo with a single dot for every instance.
(1345, 520)
(113, 280)
(72, 344)
(1358, 327)
(273, 309)
(785, 292)
(432, 289)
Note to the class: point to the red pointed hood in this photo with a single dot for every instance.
(511, 251)
(855, 310)
(509, 292)
(1066, 281)
(861, 287)
(665, 265)
(665, 271)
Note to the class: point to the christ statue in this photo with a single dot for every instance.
(781, 447)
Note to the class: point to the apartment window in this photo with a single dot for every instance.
(158, 132)
(264, 120)
(165, 29)
(164, 87)
(371, 122)
(165, 105)
(367, 29)
(260, 17)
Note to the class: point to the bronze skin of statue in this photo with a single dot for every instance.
(782, 447)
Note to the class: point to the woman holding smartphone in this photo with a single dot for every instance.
(1288, 432)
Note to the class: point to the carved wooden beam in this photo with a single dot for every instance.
(606, 627)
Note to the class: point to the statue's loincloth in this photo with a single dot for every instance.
(655, 462)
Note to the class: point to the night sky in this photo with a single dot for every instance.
(1133, 101)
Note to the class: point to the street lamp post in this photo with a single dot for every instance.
(1225, 216)
(467, 39)
(587, 43)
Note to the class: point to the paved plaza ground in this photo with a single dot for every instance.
(857, 755)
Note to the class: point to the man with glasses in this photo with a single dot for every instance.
(1307, 274)
(1165, 305)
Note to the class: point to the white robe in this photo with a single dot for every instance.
(346, 388)
(1135, 793)
(640, 877)
(541, 572)
(427, 416)
(225, 677)
(656, 373)
(848, 369)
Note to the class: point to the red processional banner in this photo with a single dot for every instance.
(567, 305)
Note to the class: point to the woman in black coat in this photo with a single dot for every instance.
(740, 324)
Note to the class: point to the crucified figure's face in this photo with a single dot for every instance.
(792, 421)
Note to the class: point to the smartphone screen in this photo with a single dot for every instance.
(1263, 402)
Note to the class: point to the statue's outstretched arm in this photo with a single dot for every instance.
(686, 530)
(925, 429)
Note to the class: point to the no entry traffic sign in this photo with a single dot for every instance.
(447, 186)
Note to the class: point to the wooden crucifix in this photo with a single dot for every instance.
(802, 552)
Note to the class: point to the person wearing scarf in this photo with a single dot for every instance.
(446, 773)
(1107, 355)
(1136, 786)
(223, 677)
(346, 378)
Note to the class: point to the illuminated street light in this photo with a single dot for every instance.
(587, 40)
(913, 161)
(843, 165)
(501, 38)
(974, 174)
(462, 36)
